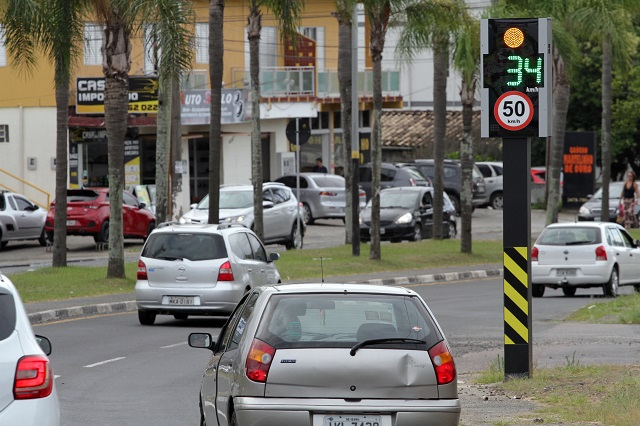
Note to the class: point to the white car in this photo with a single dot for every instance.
(582, 255)
(27, 390)
(20, 219)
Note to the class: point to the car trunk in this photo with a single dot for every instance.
(334, 373)
(337, 196)
(577, 255)
(168, 273)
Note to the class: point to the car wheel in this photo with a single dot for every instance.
(308, 217)
(103, 235)
(497, 201)
(146, 317)
(452, 230)
(610, 288)
(181, 316)
(50, 236)
(295, 240)
(417, 232)
(537, 290)
(569, 291)
(3, 244)
(150, 228)
(456, 202)
(636, 288)
(42, 239)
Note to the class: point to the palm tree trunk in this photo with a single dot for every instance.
(607, 57)
(440, 72)
(60, 215)
(376, 158)
(255, 26)
(561, 99)
(216, 69)
(467, 97)
(344, 80)
(116, 65)
(163, 147)
(176, 149)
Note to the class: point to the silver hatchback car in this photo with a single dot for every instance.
(329, 355)
(199, 270)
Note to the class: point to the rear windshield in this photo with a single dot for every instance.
(414, 173)
(329, 181)
(7, 315)
(74, 195)
(190, 246)
(558, 236)
(341, 320)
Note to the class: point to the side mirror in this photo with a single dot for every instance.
(274, 256)
(201, 341)
(193, 206)
(142, 205)
(34, 207)
(44, 343)
(637, 243)
(267, 204)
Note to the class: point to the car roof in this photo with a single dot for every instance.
(407, 189)
(338, 288)
(170, 227)
(247, 187)
(583, 224)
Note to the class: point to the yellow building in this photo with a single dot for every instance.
(295, 83)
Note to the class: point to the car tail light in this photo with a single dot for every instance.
(443, 363)
(33, 378)
(534, 254)
(328, 194)
(142, 271)
(361, 193)
(413, 182)
(225, 273)
(601, 253)
(259, 360)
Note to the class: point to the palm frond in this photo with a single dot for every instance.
(21, 21)
(287, 14)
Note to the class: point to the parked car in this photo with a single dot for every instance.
(451, 210)
(391, 175)
(538, 174)
(145, 194)
(178, 264)
(20, 219)
(88, 214)
(593, 207)
(281, 208)
(492, 173)
(322, 195)
(329, 354)
(28, 395)
(581, 255)
(453, 180)
(406, 213)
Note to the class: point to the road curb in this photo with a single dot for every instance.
(130, 305)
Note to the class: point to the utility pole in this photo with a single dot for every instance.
(355, 138)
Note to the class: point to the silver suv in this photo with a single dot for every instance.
(236, 206)
(199, 270)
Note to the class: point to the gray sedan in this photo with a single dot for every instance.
(20, 219)
(330, 355)
(322, 195)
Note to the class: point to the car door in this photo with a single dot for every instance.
(285, 211)
(133, 223)
(633, 256)
(622, 254)
(426, 214)
(28, 218)
(229, 366)
(265, 271)
(269, 216)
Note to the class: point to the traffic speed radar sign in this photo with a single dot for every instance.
(513, 111)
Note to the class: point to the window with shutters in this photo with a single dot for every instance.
(4, 133)
(93, 38)
(268, 48)
(202, 42)
(316, 34)
(3, 49)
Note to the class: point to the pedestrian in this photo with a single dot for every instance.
(319, 168)
(628, 199)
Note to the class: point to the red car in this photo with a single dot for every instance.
(88, 214)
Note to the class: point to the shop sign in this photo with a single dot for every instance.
(143, 95)
(195, 106)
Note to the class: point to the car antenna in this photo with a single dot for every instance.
(321, 266)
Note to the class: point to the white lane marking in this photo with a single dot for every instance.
(55, 376)
(104, 362)
(173, 346)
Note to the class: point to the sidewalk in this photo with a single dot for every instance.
(43, 312)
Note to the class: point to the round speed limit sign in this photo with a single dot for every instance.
(513, 110)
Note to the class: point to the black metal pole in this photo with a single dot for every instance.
(517, 260)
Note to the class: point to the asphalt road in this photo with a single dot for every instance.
(113, 371)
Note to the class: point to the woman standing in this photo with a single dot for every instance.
(629, 198)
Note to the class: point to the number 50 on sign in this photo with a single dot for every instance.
(513, 110)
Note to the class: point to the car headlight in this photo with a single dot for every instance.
(184, 220)
(405, 218)
(360, 219)
(584, 210)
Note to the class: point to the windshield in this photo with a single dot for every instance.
(230, 200)
(566, 236)
(329, 181)
(397, 200)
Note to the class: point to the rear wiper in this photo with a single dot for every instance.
(385, 340)
(170, 258)
(575, 243)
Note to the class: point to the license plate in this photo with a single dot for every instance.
(566, 272)
(180, 300)
(352, 420)
(71, 223)
(381, 231)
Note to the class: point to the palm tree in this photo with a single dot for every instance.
(55, 26)
(169, 21)
(216, 70)
(466, 59)
(287, 14)
(611, 23)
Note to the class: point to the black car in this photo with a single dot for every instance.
(453, 180)
(406, 213)
(392, 175)
(590, 210)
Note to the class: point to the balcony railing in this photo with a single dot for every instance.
(279, 81)
(301, 81)
(328, 86)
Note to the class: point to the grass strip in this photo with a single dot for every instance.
(621, 310)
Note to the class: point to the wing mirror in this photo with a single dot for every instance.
(45, 344)
(267, 204)
(201, 340)
(274, 256)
